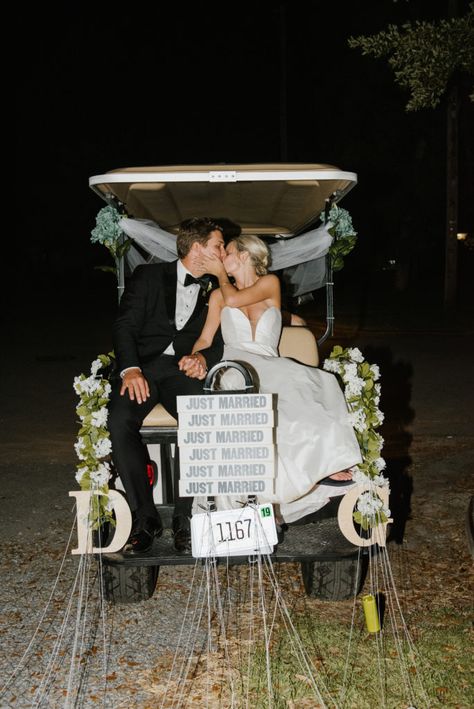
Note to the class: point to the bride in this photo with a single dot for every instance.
(315, 439)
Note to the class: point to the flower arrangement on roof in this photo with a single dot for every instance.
(109, 233)
(339, 225)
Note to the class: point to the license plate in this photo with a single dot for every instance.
(240, 532)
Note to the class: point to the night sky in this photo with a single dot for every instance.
(103, 86)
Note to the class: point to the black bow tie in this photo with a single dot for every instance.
(203, 281)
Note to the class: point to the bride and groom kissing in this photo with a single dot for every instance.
(174, 323)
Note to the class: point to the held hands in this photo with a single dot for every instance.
(137, 386)
(194, 366)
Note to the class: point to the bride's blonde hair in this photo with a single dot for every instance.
(257, 249)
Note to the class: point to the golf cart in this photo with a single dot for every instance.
(281, 203)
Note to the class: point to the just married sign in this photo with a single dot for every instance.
(226, 444)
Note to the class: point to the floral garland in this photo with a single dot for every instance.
(93, 445)
(344, 237)
(362, 394)
(109, 233)
(361, 391)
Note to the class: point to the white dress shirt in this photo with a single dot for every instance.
(185, 302)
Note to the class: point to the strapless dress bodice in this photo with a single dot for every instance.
(237, 331)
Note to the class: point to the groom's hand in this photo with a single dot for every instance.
(136, 385)
(194, 366)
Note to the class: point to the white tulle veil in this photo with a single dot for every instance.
(301, 258)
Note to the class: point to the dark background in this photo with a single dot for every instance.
(103, 86)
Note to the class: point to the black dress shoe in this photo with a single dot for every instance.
(281, 529)
(182, 534)
(142, 535)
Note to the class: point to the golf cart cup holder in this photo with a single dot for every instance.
(249, 385)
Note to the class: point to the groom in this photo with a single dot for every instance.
(161, 315)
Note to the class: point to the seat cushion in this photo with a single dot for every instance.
(300, 344)
(159, 416)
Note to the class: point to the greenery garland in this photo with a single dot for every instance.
(362, 393)
(93, 446)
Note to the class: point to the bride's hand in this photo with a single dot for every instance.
(211, 264)
(194, 366)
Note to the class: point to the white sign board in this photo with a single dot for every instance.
(226, 444)
(236, 488)
(225, 402)
(212, 437)
(227, 454)
(218, 471)
(227, 419)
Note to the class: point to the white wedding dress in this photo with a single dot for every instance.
(314, 435)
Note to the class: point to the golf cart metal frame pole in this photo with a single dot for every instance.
(329, 332)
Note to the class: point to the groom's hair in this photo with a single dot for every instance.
(192, 230)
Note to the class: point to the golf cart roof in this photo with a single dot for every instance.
(267, 199)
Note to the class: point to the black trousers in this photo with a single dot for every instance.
(129, 453)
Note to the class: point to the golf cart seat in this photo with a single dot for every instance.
(298, 343)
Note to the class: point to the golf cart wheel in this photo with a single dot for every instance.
(129, 584)
(336, 580)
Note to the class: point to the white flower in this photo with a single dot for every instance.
(101, 476)
(102, 448)
(380, 464)
(355, 354)
(374, 368)
(89, 385)
(359, 477)
(374, 481)
(79, 446)
(369, 504)
(332, 365)
(99, 418)
(357, 420)
(380, 481)
(350, 371)
(107, 389)
(380, 417)
(80, 473)
(77, 385)
(354, 386)
(95, 366)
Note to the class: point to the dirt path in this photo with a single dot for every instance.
(427, 400)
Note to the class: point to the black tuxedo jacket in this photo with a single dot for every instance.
(145, 324)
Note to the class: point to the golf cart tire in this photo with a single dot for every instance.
(129, 584)
(337, 580)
